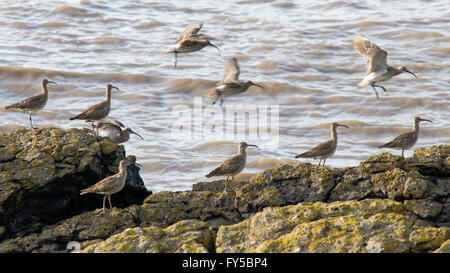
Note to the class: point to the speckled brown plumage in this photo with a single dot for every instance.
(190, 41)
(406, 140)
(98, 111)
(110, 185)
(230, 84)
(233, 165)
(326, 149)
(377, 68)
(34, 103)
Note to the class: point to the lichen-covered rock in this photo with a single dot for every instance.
(386, 204)
(171, 207)
(87, 226)
(427, 209)
(430, 238)
(369, 225)
(444, 248)
(187, 236)
(434, 160)
(271, 229)
(43, 170)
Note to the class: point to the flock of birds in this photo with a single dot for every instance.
(190, 41)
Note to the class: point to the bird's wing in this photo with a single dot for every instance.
(229, 166)
(104, 185)
(109, 130)
(28, 103)
(320, 150)
(93, 111)
(375, 56)
(190, 29)
(231, 72)
(399, 141)
(110, 122)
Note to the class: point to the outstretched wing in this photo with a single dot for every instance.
(190, 29)
(231, 72)
(375, 56)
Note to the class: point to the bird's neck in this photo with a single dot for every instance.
(334, 136)
(122, 169)
(416, 126)
(44, 90)
(242, 152)
(125, 135)
(394, 71)
(108, 94)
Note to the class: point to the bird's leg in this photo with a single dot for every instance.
(382, 87)
(104, 199)
(92, 126)
(403, 155)
(221, 100)
(226, 183)
(109, 199)
(323, 163)
(320, 160)
(376, 93)
(175, 66)
(31, 121)
(215, 100)
(96, 127)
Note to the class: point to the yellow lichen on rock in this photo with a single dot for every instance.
(370, 225)
(187, 236)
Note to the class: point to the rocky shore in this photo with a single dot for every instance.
(385, 204)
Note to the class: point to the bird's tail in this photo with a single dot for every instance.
(303, 155)
(172, 49)
(211, 93)
(87, 190)
(214, 172)
(385, 145)
(79, 116)
(13, 106)
(363, 83)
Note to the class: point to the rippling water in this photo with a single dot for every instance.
(300, 51)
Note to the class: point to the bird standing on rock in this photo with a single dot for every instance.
(377, 68)
(97, 111)
(326, 149)
(406, 140)
(233, 165)
(35, 103)
(110, 185)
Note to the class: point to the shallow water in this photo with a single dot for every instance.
(300, 51)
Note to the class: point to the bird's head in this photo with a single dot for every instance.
(45, 82)
(250, 83)
(404, 69)
(110, 87)
(128, 129)
(419, 119)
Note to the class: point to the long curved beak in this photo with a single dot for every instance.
(209, 43)
(422, 119)
(113, 87)
(52, 82)
(131, 131)
(410, 73)
(257, 85)
(252, 145)
(342, 125)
